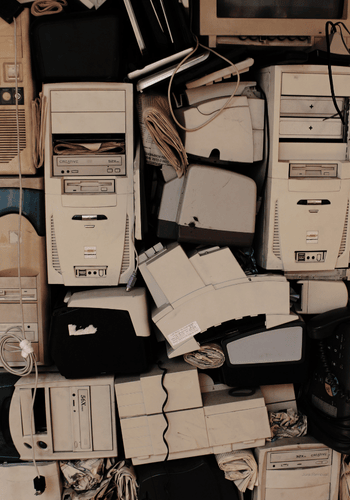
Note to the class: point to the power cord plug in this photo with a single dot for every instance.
(131, 281)
(39, 485)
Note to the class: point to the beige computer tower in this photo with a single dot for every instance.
(300, 468)
(73, 418)
(303, 227)
(33, 285)
(90, 199)
(9, 159)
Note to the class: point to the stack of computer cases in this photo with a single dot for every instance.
(253, 270)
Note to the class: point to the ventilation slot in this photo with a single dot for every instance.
(8, 134)
(126, 254)
(345, 232)
(55, 259)
(276, 248)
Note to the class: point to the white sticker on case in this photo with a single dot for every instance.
(183, 333)
(72, 330)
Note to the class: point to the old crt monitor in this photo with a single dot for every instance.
(269, 22)
(256, 355)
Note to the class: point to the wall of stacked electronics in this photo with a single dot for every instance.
(174, 259)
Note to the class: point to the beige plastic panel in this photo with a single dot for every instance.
(90, 100)
(317, 492)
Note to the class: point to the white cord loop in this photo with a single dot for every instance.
(10, 342)
(26, 347)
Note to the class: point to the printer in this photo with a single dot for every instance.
(208, 287)
(208, 205)
(236, 132)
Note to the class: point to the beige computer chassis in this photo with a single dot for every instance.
(303, 225)
(34, 287)
(90, 200)
(9, 160)
(73, 418)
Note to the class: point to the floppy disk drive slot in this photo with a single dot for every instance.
(322, 170)
(89, 186)
(12, 294)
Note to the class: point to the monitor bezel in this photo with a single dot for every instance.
(226, 30)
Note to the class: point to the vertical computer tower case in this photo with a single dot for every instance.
(10, 138)
(89, 183)
(33, 287)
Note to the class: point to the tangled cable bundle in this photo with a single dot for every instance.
(207, 356)
(47, 7)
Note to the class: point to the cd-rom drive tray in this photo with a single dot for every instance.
(89, 165)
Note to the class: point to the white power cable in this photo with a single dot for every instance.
(12, 334)
(16, 334)
(226, 104)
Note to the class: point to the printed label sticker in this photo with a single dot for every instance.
(184, 333)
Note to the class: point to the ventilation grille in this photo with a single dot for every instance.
(126, 254)
(342, 247)
(276, 247)
(55, 259)
(8, 134)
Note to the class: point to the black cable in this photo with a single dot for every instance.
(163, 411)
(266, 152)
(333, 27)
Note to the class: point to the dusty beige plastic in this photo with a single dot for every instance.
(316, 476)
(104, 247)
(304, 220)
(79, 414)
(9, 161)
(199, 424)
(206, 289)
(17, 480)
(35, 290)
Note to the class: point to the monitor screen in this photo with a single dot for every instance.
(293, 9)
